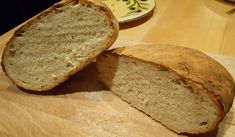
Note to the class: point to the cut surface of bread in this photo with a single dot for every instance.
(58, 42)
(148, 78)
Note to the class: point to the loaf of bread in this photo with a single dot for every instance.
(182, 88)
(58, 42)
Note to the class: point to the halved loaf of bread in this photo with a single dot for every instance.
(182, 88)
(58, 42)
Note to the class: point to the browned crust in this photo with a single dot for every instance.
(102, 7)
(168, 58)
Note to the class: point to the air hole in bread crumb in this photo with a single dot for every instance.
(59, 11)
(12, 53)
(179, 81)
(72, 37)
(88, 5)
(183, 81)
(176, 81)
(134, 63)
(21, 33)
(68, 65)
(190, 88)
(203, 123)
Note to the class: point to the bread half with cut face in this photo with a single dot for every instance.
(182, 88)
(58, 42)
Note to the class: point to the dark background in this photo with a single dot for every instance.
(14, 12)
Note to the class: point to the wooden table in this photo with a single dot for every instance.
(82, 107)
(207, 25)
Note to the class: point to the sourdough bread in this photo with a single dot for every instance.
(58, 42)
(182, 88)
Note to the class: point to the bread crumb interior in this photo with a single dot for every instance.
(158, 92)
(56, 44)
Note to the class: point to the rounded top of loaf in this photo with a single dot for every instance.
(190, 64)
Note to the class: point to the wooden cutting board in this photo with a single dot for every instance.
(82, 107)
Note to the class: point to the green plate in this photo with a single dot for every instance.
(129, 10)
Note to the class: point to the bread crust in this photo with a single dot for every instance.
(194, 67)
(100, 6)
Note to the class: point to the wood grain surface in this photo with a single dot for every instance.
(207, 25)
(83, 107)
